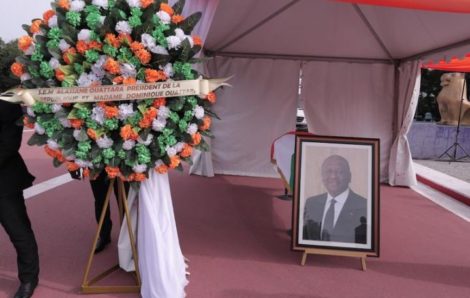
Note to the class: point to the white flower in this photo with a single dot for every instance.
(101, 3)
(158, 50)
(191, 40)
(192, 129)
(139, 168)
(54, 63)
(133, 3)
(52, 22)
(77, 5)
(123, 27)
(128, 70)
(173, 42)
(70, 157)
(52, 144)
(158, 124)
(97, 114)
(163, 112)
(180, 34)
(148, 41)
(80, 135)
(164, 17)
(168, 70)
(56, 107)
(30, 50)
(199, 112)
(26, 76)
(179, 146)
(84, 35)
(39, 129)
(171, 151)
(125, 111)
(104, 142)
(30, 112)
(84, 80)
(159, 163)
(65, 122)
(128, 145)
(63, 45)
(83, 163)
(147, 141)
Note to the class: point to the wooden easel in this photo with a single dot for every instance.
(315, 251)
(88, 286)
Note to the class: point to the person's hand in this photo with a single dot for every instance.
(76, 174)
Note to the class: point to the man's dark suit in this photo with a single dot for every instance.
(14, 178)
(350, 227)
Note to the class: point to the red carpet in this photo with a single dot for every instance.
(233, 230)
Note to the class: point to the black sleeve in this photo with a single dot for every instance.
(10, 132)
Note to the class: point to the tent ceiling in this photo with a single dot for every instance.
(322, 28)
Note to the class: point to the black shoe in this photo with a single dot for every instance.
(101, 244)
(26, 290)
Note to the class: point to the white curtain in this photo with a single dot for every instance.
(401, 172)
(259, 107)
(202, 161)
(352, 100)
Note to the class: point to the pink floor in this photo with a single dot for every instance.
(233, 230)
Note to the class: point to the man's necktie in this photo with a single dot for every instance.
(329, 222)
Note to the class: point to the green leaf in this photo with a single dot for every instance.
(190, 22)
(56, 163)
(178, 7)
(185, 50)
(207, 133)
(38, 140)
(26, 28)
(176, 103)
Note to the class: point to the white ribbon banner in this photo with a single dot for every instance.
(199, 87)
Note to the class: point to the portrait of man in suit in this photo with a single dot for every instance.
(339, 214)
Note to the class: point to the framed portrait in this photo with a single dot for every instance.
(336, 195)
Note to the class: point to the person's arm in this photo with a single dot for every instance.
(10, 132)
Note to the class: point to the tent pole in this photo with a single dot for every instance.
(259, 24)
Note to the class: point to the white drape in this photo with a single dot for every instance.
(202, 161)
(352, 100)
(260, 107)
(401, 170)
(161, 262)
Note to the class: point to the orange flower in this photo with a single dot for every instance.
(144, 56)
(206, 123)
(139, 177)
(26, 123)
(54, 153)
(174, 161)
(152, 75)
(111, 111)
(167, 8)
(129, 81)
(125, 38)
(136, 46)
(158, 102)
(17, 69)
(69, 55)
(47, 15)
(162, 169)
(112, 40)
(91, 133)
(176, 19)
(187, 151)
(72, 167)
(196, 138)
(35, 26)
(112, 172)
(118, 80)
(197, 40)
(59, 74)
(94, 45)
(146, 3)
(145, 122)
(112, 66)
(76, 123)
(25, 42)
(82, 46)
(149, 115)
(127, 133)
(64, 4)
(86, 172)
(211, 97)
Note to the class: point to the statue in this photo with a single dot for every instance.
(449, 100)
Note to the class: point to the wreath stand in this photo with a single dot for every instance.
(88, 286)
(352, 254)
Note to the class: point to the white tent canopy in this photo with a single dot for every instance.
(360, 67)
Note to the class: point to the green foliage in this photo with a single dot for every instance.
(8, 52)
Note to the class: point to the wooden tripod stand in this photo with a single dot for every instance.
(88, 286)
